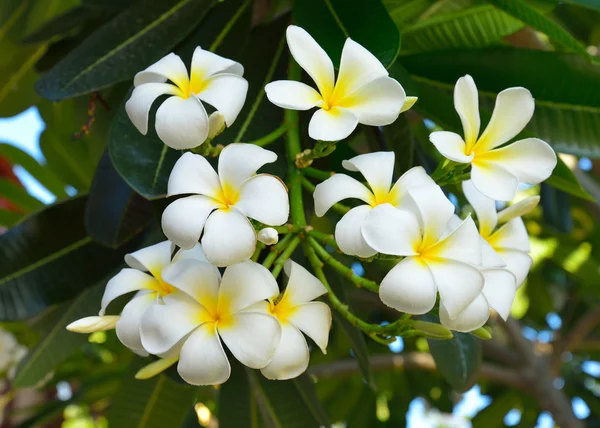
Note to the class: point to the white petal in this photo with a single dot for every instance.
(530, 161)
(435, 211)
(193, 174)
(512, 112)
(458, 284)
(451, 146)
(519, 209)
(292, 95)
(226, 93)
(163, 326)
(389, 230)
(337, 188)
(499, 290)
(513, 235)
(518, 263)
(238, 162)
(414, 177)
(489, 257)
(253, 338)
(184, 219)
(151, 259)
(358, 67)
(314, 320)
(466, 103)
(203, 360)
(128, 326)
(348, 234)
(228, 238)
(302, 286)
(206, 64)
(291, 358)
(126, 281)
(244, 285)
(485, 208)
(376, 103)
(493, 180)
(377, 168)
(462, 244)
(141, 100)
(409, 287)
(472, 317)
(312, 58)
(196, 253)
(170, 67)
(182, 123)
(264, 198)
(93, 324)
(197, 279)
(332, 125)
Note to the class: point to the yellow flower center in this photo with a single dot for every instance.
(282, 309)
(383, 196)
(228, 196)
(218, 313)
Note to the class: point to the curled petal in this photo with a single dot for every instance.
(334, 124)
(414, 177)
(435, 211)
(499, 290)
(126, 281)
(451, 146)
(245, 284)
(206, 64)
(348, 233)
(389, 230)
(377, 168)
(238, 162)
(228, 237)
(471, 318)
(518, 263)
(302, 286)
(93, 324)
(182, 123)
(337, 188)
(226, 93)
(314, 320)
(199, 280)
(264, 198)
(170, 67)
(513, 235)
(462, 244)
(184, 219)
(291, 358)
(292, 95)
(519, 209)
(484, 207)
(489, 257)
(196, 253)
(141, 100)
(128, 326)
(151, 259)
(466, 103)
(192, 174)
(493, 180)
(203, 360)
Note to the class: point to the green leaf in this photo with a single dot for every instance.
(155, 403)
(17, 78)
(57, 343)
(17, 194)
(48, 258)
(404, 11)
(457, 359)
(493, 415)
(287, 403)
(367, 22)
(61, 24)
(114, 212)
(530, 16)
(8, 218)
(562, 178)
(590, 4)
(236, 403)
(133, 40)
(471, 27)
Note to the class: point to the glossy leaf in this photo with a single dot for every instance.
(367, 22)
(127, 44)
(237, 407)
(457, 359)
(49, 258)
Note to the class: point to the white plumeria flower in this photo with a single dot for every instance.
(496, 172)
(297, 314)
(435, 261)
(221, 204)
(144, 276)
(208, 309)
(181, 120)
(363, 92)
(377, 168)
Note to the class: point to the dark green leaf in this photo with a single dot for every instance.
(155, 403)
(236, 403)
(48, 259)
(18, 196)
(64, 23)
(404, 11)
(114, 212)
(457, 359)
(287, 403)
(493, 415)
(127, 44)
(367, 22)
(562, 178)
(591, 4)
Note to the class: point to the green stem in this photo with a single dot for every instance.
(320, 150)
(286, 228)
(259, 247)
(323, 238)
(271, 137)
(276, 250)
(339, 208)
(286, 254)
(317, 173)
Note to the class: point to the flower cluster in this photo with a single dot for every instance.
(203, 289)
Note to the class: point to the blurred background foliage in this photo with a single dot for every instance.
(74, 60)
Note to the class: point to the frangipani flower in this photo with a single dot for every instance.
(435, 261)
(208, 309)
(297, 314)
(377, 168)
(181, 120)
(363, 92)
(221, 204)
(144, 276)
(496, 172)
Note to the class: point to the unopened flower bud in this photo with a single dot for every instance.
(156, 367)
(93, 324)
(216, 124)
(432, 330)
(408, 103)
(268, 236)
(519, 209)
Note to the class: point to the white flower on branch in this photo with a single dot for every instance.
(377, 168)
(363, 92)
(221, 204)
(207, 310)
(496, 172)
(181, 120)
